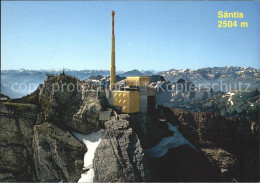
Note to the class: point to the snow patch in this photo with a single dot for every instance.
(87, 176)
(211, 75)
(230, 95)
(168, 142)
(91, 141)
(183, 70)
(241, 72)
(231, 102)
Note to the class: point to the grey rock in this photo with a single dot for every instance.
(104, 115)
(78, 108)
(16, 123)
(119, 156)
(86, 119)
(57, 154)
(224, 160)
(226, 142)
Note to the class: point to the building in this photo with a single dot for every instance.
(136, 96)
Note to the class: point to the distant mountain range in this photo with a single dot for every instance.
(17, 83)
(137, 73)
(26, 81)
(212, 73)
(229, 77)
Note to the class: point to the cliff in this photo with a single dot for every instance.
(231, 144)
(68, 102)
(16, 123)
(37, 141)
(120, 157)
(57, 154)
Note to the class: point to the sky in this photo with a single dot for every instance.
(149, 35)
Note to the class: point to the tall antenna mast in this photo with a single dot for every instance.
(113, 67)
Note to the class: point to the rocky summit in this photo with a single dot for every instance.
(120, 156)
(229, 75)
(38, 143)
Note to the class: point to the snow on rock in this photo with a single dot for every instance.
(251, 104)
(231, 102)
(87, 176)
(230, 95)
(168, 142)
(92, 141)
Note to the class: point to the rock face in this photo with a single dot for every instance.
(66, 102)
(224, 160)
(55, 152)
(120, 157)
(16, 123)
(36, 141)
(34, 149)
(232, 144)
(59, 99)
(86, 119)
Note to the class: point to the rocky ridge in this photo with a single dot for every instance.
(228, 75)
(231, 144)
(120, 157)
(38, 143)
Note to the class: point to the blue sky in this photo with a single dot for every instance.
(150, 35)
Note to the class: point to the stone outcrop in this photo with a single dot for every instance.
(30, 149)
(57, 154)
(36, 141)
(59, 99)
(120, 157)
(16, 123)
(86, 119)
(224, 160)
(66, 101)
(232, 144)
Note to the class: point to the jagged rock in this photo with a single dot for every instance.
(229, 75)
(16, 123)
(224, 160)
(237, 139)
(119, 156)
(66, 102)
(235, 104)
(32, 149)
(77, 109)
(86, 119)
(57, 154)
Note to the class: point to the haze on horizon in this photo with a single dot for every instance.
(149, 35)
(117, 72)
